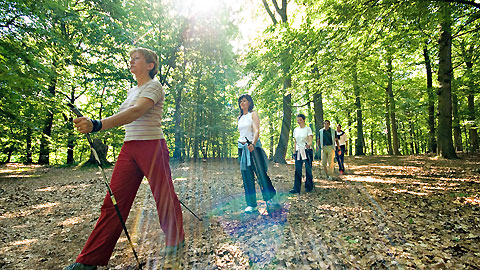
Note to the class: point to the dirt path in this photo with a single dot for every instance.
(413, 212)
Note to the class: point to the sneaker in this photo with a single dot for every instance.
(80, 266)
(273, 205)
(293, 191)
(173, 256)
(250, 209)
(174, 250)
(309, 190)
(341, 172)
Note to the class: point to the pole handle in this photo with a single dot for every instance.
(74, 109)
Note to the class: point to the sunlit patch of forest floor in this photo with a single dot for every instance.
(408, 212)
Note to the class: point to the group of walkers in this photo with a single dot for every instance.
(145, 154)
(331, 142)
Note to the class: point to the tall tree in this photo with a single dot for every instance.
(444, 133)
(391, 106)
(359, 143)
(432, 141)
(469, 58)
(282, 145)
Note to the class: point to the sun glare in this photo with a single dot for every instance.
(206, 6)
(200, 7)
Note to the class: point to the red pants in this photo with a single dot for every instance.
(136, 159)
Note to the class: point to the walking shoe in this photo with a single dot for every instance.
(250, 209)
(80, 266)
(309, 190)
(273, 205)
(293, 191)
(173, 256)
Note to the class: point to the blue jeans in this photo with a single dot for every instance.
(308, 171)
(340, 158)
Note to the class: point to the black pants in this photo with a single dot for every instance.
(308, 171)
(259, 166)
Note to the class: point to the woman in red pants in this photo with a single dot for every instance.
(144, 153)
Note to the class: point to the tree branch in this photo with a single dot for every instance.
(272, 16)
(464, 33)
(298, 106)
(470, 3)
(10, 22)
(281, 11)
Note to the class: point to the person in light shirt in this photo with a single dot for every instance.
(144, 153)
(303, 136)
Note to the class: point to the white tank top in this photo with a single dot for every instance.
(245, 126)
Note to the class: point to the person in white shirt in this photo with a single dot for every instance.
(252, 158)
(144, 153)
(302, 137)
(342, 138)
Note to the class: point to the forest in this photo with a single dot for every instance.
(401, 77)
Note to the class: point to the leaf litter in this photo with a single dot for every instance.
(411, 212)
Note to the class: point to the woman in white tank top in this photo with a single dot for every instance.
(253, 159)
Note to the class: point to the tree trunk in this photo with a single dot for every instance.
(196, 147)
(415, 137)
(281, 149)
(44, 157)
(395, 140)
(70, 141)
(179, 151)
(372, 142)
(444, 135)
(102, 150)
(9, 154)
(389, 131)
(457, 133)
(28, 155)
(412, 138)
(350, 147)
(473, 134)
(318, 109)
(359, 142)
(432, 142)
(271, 139)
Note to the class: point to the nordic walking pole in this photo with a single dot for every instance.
(200, 219)
(77, 112)
(110, 192)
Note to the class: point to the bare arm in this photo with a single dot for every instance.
(309, 141)
(84, 125)
(256, 130)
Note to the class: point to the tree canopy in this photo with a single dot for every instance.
(401, 77)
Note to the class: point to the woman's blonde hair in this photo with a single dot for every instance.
(150, 57)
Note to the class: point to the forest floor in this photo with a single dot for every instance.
(408, 212)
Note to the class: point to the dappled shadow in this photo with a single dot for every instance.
(386, 212)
